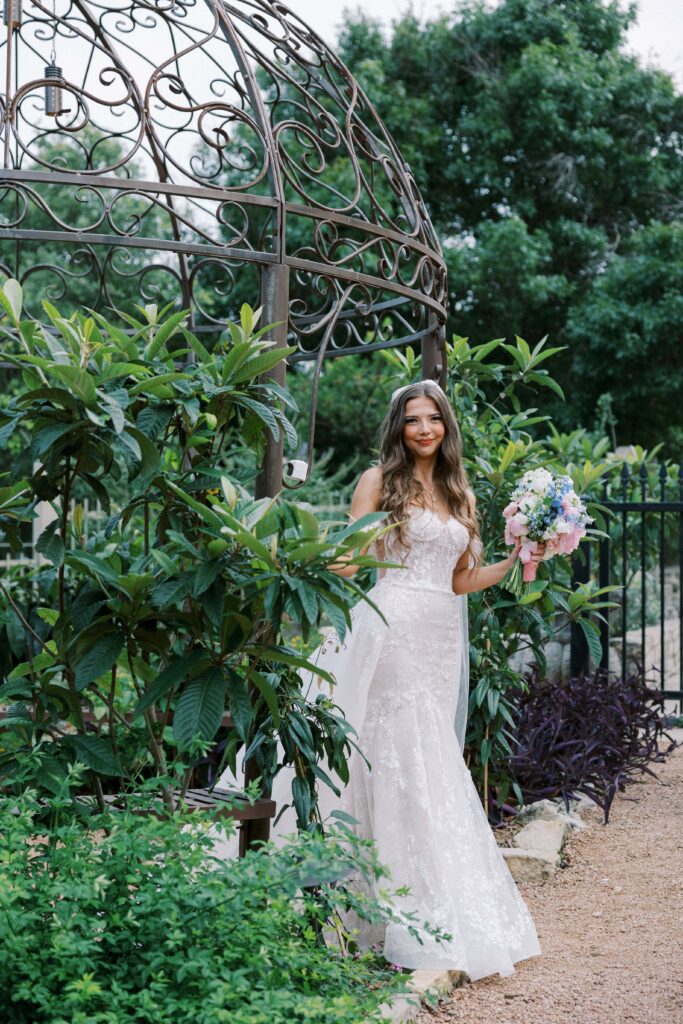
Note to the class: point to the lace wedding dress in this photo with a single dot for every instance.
(398, 684)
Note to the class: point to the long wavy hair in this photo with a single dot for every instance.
(400, 488)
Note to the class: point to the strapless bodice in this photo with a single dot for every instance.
(435, 547)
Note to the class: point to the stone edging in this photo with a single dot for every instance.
(536, 851)
(402, 1008)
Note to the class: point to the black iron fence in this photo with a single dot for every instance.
(642, 554)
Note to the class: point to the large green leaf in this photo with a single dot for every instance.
(169, 566)
(337, 617)
(207, 514)
(172, 676)
(14, 298)
(592, 634)
(200, 707)
(199, 350)
(310, 527)
(94, 566)
(165, 333)
(98, 658)
(116, 413)
(268, 693)
(51, 545)
(51, 774)
(95, 753)
(212, 602)
(77, 380)
(8, 429)
(239, 702)
(41, 661)
(99, 490)
(86, 605)
(135, 583)
(47, 436)
(155, 385)
(205, 575)
(309, 602)
(261, 364)
(302, 799)
(144, 450)
(153, 420)
(263, 411)
(170, 592)
(235, 357)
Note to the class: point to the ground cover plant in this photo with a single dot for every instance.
(590, 734)
(132, 919)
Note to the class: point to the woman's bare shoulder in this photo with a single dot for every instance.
(372, 476)
(367, 492)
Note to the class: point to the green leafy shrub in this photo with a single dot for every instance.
(132, 641)
(132, 919)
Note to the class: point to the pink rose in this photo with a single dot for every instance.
(527, 549)
(515, 527)
(571, 540)
(552, 547)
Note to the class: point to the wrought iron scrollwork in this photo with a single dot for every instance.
(197, 142)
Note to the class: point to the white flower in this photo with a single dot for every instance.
(537, 480)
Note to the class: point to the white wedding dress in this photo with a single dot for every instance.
(398, 686)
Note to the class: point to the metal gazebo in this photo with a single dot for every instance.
(213, 152)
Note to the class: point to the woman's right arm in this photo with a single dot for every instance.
(365, 499)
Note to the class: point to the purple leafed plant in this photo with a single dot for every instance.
(589, 734)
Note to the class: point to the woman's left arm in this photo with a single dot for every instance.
(466, 580)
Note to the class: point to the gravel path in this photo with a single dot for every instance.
(610, 923)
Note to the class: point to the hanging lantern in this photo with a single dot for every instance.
(53, 90)
(12, 13)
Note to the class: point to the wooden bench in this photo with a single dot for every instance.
(223, 803)
(254, 819)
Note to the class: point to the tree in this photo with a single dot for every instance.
(352, 401)
(160, 611)
(540, 147)
(629, 325)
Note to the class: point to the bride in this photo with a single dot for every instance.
(403, 686)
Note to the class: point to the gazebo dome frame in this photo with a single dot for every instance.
(203, 144)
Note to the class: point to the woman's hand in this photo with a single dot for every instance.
(536, 556)
(467, 581)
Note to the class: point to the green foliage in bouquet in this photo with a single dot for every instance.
(131, 641)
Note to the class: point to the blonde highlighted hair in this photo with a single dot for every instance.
(400, 489)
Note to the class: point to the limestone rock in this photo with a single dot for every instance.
(582, 802)
(542, 837)
(550, 810)
(529, 865)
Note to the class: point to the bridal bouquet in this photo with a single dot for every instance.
(542, 508)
